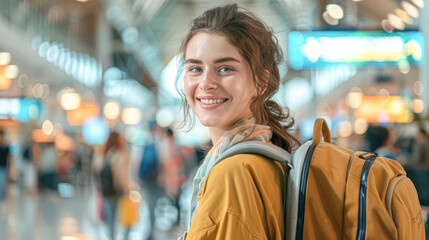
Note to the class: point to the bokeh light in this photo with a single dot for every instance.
(345, 129)
(95, 131)
(403, 16)
(23, 80)
(11, 71)
(387, 27)
(354, 97)
(131, 116)
(164, 117)
(111, 110)
(5, 58)
(335, 11)
(70, 99)
(418, 88)
(419, 3)
(418, 105)
(410, 9)
(47, 127)
(395, 21)
(328, 19)
(360, 126)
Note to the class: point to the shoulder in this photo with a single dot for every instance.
(245, 165)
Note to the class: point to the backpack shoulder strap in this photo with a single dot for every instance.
(261, 148)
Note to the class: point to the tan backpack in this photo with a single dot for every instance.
(336, 193)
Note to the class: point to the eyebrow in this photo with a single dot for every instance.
(220, 60)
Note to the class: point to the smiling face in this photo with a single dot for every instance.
(218, 82)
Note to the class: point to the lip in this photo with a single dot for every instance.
(210, 106)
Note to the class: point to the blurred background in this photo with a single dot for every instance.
(87, 88)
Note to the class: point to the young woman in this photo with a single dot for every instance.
(230, 66)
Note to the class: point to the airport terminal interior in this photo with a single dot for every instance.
(77, 73)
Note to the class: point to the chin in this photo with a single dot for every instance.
(209, 121)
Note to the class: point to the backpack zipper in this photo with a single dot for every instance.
(369, 159)
(302, 192)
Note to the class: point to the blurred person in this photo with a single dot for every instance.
(29, 167)
(113, 178)
(149, 171)
(67, 166)
(5, 167)
(173, 166)
(48, 167)
(85, 154)
(420, 150)
(173, 170)
(230, 66)
(381, 141)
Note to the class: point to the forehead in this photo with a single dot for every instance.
(210, 46)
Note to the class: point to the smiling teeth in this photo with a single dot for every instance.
(212, 101)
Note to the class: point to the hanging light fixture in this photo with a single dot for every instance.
(335, 11)
(410, 9)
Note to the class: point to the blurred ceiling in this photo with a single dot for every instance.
(155, 28)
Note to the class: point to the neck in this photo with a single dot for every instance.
(216, 134)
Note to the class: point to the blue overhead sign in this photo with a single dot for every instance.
(20, 109)
(319, 49)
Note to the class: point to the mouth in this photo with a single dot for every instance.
(211, 101)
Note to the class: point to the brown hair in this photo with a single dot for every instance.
(257, 44)
(113, 142)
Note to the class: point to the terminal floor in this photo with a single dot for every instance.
(47, 216)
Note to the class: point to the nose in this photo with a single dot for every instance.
(208, 81)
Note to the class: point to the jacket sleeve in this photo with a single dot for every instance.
(230, 203)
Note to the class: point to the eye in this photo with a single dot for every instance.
(225, 69)
(195, 69)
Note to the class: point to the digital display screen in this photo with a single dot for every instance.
(321, 49)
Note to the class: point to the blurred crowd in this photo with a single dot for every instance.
(122, 175)
(157, 173)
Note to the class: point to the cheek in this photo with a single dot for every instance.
(187, 87)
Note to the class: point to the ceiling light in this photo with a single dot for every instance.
(335, 11)
(70, 99)
(387, 27)
(403, 16)
(418, 88)
(112, 110)
(328, 19)
(11, 71)
(354, 97)
(5, 58)
(47, 127)
(419, 3)
(395, 21)
(131, 116)
(410, 9)
(418, 105)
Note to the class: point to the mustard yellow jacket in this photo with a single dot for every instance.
(240, 199)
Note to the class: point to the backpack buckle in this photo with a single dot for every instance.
(368, 155)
